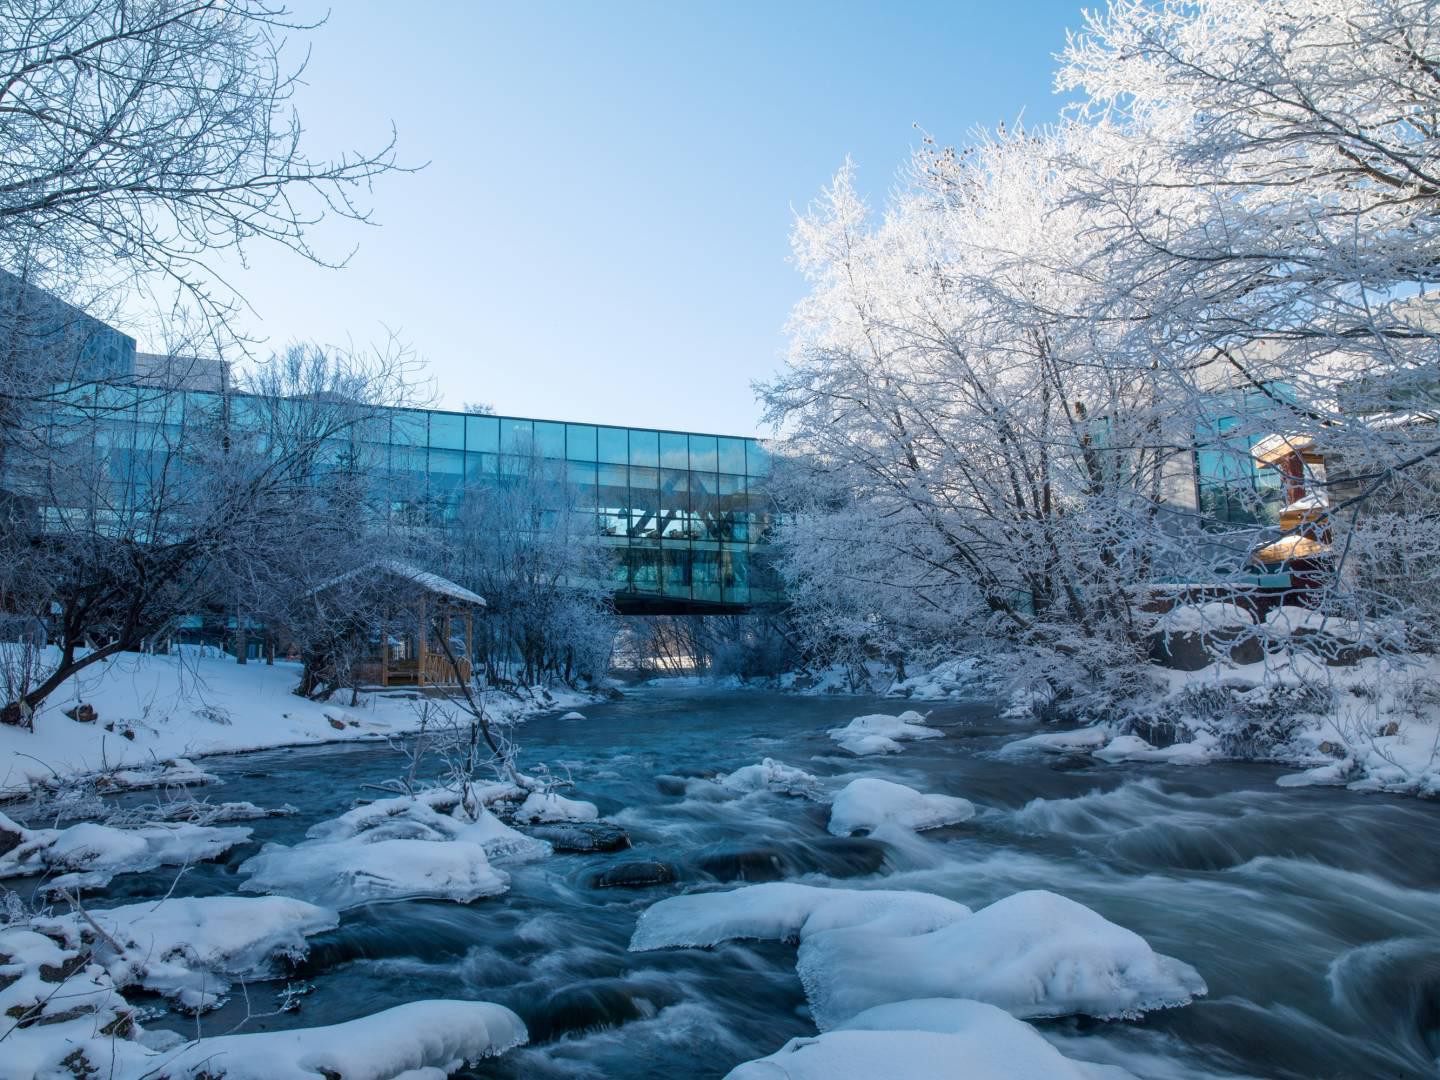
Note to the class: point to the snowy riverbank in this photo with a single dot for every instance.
(155, 708)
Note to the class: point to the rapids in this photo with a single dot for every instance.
(1313, 914)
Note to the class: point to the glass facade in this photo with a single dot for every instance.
(1230, 486)
(686, 516)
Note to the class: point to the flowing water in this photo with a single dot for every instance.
(1313, 914)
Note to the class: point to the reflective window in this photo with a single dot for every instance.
(674, 450)
(614, 445)
(580, 442)
(732, 455)
(447, 431)
(407, 428)
(482, 433)
(550, 439)
(757, 459)
(644, 448)
(704, 454)
(517, 436)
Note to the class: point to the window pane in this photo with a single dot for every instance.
(550, 438)
(447, 431)
(732, 455)
(757, 459)
(481, 466)
(614, 445)
(517, 436)
(674, 450)
(644, 448)
(703, 453)
(407, 428)
(580, 442)
(482, 433)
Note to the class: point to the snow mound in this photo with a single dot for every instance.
(178, 772)
(90, 855)
(573, 716)
(1033, 954)
(190, 949)
(772, 775)
(343, 874)
(432, 815)
(867, 804)
(785, 911)
(545, 807)
(882, 734)
(926, 1040)
(1078, 741)
(951, 679)
(1133, 748)
(427, 1039)
(1197, 618)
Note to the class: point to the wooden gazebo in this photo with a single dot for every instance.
(408, 649)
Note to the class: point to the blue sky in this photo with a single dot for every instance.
(601, 232)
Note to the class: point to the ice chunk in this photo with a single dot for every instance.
(772, 775)
(573, 716)
(785, 911)
(882, 734)
(346, 873)
(546, 806)
(89, 855)
(867, 804)
(1033, 954)
(191, 948)
(926, 1040)
(421, 1039)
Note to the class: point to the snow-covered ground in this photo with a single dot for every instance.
(156, 708)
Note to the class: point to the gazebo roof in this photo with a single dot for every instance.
(424, 579)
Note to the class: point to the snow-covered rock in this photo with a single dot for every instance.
(573, 716)
(1334, 774)
(89, 855)
(1199, 618)
(436, 815)
(423, 1040)
(1077, 741)
(1034, 954)
(1200, 751)
(178, 772)
(865, 805)
(544, 807)
(772, 775)
(879, 733)
(930, 1039)
(343, 874)
(191, 949)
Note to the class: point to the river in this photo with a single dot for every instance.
(1313, 914)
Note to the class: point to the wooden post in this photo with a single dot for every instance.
(470, 639)
(384, 654)
(420, 646)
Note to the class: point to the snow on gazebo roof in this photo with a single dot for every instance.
(432, 583)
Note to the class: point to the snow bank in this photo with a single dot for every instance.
(170, 708)
(343, 874)
(190, 949)
(1033, 954)
(1198, 618)
(89, 855)
(545, 807)
(772, 775)
(952, 679)
(934, 1039)
(865, 805)
(1078, 741)
(882, 734)
(427, 1039)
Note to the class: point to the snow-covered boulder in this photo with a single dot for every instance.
(573, 716)
(90, 855)
(926, 1040)
(772, 775)
(1200, 751)
(423, 1040)
(545, 807)
(1033, 954)
(865, 805)
(178, 772)
(1078, 741)
(436, 815)
(879, 733)
(343, 874)
(191, 949)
